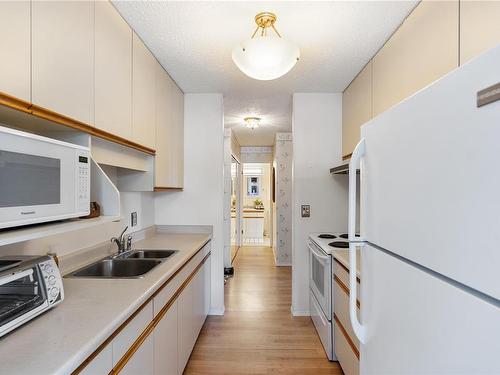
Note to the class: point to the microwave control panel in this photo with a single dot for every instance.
(83, 181)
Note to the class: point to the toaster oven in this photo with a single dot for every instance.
(29, 285)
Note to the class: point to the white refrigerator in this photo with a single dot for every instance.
(430, 229)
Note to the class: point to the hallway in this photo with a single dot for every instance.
(257, 334)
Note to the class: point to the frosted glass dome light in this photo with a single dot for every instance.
(266, 57)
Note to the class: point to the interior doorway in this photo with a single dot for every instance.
(256, 193)
(235, 207)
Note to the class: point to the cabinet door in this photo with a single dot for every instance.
(15, 54)
(141, 363)
(63, 57)
(479, 27)
(185, 330)
(164, 126)
(177, 143)
(169, 159)
(143, 94)
(198, 302)
(207, 276)
(422, 50)
(113, 71)
(165, 343)
(101, 364)
(356, 108)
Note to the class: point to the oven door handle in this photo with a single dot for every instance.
(318, 255)
(16, 276)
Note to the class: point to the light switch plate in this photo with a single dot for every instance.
(133, 219)
(306, 210)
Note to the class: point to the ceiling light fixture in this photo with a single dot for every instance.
(252, 122)
(266, 57)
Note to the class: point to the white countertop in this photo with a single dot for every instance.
(59, 340)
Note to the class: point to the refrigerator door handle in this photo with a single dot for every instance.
(357, 154)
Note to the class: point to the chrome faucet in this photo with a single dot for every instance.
(121, 243)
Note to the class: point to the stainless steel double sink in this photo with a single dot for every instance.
(129, 265)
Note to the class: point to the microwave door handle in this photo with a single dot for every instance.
(357, 154)
(16, 276)
(318, 255)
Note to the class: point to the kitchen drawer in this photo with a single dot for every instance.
(346, 356)
(343, 274)
(124, 340)
(341, 310)
(168, 291)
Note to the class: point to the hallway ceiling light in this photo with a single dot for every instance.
(266, 57)
(252, 122)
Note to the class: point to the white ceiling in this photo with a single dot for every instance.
(193, 40)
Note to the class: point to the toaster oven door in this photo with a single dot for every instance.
(22, 296)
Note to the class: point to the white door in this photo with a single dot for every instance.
(430, 178)
(417, 323)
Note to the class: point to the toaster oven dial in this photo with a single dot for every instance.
(52, 280)
(54, 292)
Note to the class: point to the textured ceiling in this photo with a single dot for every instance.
(193, 41)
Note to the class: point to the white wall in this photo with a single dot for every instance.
(201, 202)
(317, 146)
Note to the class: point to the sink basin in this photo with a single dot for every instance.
(149, 254)
(117, 268)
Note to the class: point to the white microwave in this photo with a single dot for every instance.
(41, 179)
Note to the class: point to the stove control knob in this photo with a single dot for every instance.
(54, 292)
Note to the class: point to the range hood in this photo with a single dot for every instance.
(342, 168)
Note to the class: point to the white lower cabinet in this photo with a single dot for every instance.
(168, 345)
(185, 340)
(124, 340)
(165, 343)
(142, 361)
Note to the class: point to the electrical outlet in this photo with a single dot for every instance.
(306, 210)
(133, 219)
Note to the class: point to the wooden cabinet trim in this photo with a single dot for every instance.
(46, 114)
(106, 342)
(345, 289)
(14, 103)
(167, 188)
(344, 333)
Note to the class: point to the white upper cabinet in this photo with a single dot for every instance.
(113, 71)
(15, 54)
(63, 58)
(356, 108)
(169, 159)
(479, 27)
(143, 94)
(422, 50)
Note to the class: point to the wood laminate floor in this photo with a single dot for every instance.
(257, 334)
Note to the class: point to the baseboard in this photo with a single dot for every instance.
(282, 264)
(216, 311)
(300, 312)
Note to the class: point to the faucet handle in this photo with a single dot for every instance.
(129, 242)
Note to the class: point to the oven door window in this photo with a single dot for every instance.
(318, 275)
(29, 180)
(20, 295)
